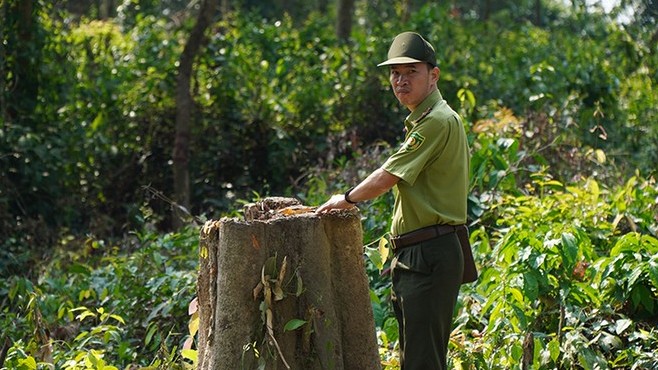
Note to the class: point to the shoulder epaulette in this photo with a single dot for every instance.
(425, 113)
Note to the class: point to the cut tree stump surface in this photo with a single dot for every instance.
(284, 265)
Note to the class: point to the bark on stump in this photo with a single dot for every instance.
(298, 265)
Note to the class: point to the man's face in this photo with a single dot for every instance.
(413, 82)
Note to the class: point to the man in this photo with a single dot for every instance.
(430, 176)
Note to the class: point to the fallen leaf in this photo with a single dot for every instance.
(257, 290)
(193, 306)
(295, 210)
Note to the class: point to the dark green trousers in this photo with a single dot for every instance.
(426, 281)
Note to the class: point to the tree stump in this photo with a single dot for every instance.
(285, 289)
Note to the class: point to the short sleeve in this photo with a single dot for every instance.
(421, 146)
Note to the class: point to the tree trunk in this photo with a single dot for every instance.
(4, 6)
(225, 8)
(284, 289)
(485, 13)
(406, 10)
(25, 68)
(323, 5)
(105, 9)
(537, 9)
(344, 20)
(184, 112)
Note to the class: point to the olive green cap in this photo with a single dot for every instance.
(410, 47)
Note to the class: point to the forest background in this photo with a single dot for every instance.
(127, 124)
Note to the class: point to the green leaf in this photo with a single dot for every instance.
(646, 298)
(375, 257)
(554, 349)
(118, 318)
(530, 285)
(593, 187)
(294, 324)
(621, 325)
(30, 362)
(500, 164)
(190, 354)
(587, 359)
(300, 284)
(98, 122)
(653, 271)
(495, 316)
(569, 249)
(193, 325)
(649, 243)
(627, 243)
(592, 293)
(84, 315)
(149, 334)
(634, 276)
(517, 352)
(80, 268)
(374, 298)
(84, 294)
(516, 294)
(269, 268)
(553, 183)
(610, 342)
(383, 249)
(96, 361)
(466, 96)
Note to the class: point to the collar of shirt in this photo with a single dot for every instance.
(422, 109)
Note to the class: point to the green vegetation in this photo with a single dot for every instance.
(562, 124)
(105, 305)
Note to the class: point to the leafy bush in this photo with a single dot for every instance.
(561, 284)
(95, 307)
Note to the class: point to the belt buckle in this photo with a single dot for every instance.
(393, 245)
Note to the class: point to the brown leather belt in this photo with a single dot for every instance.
(422, 234)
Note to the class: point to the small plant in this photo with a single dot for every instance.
(272, 288)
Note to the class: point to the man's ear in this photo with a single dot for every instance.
(436, 74)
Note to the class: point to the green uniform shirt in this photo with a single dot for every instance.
(433, 165)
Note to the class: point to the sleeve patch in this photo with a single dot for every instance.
(414, 142)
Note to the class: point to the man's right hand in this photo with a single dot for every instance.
(337, 201)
